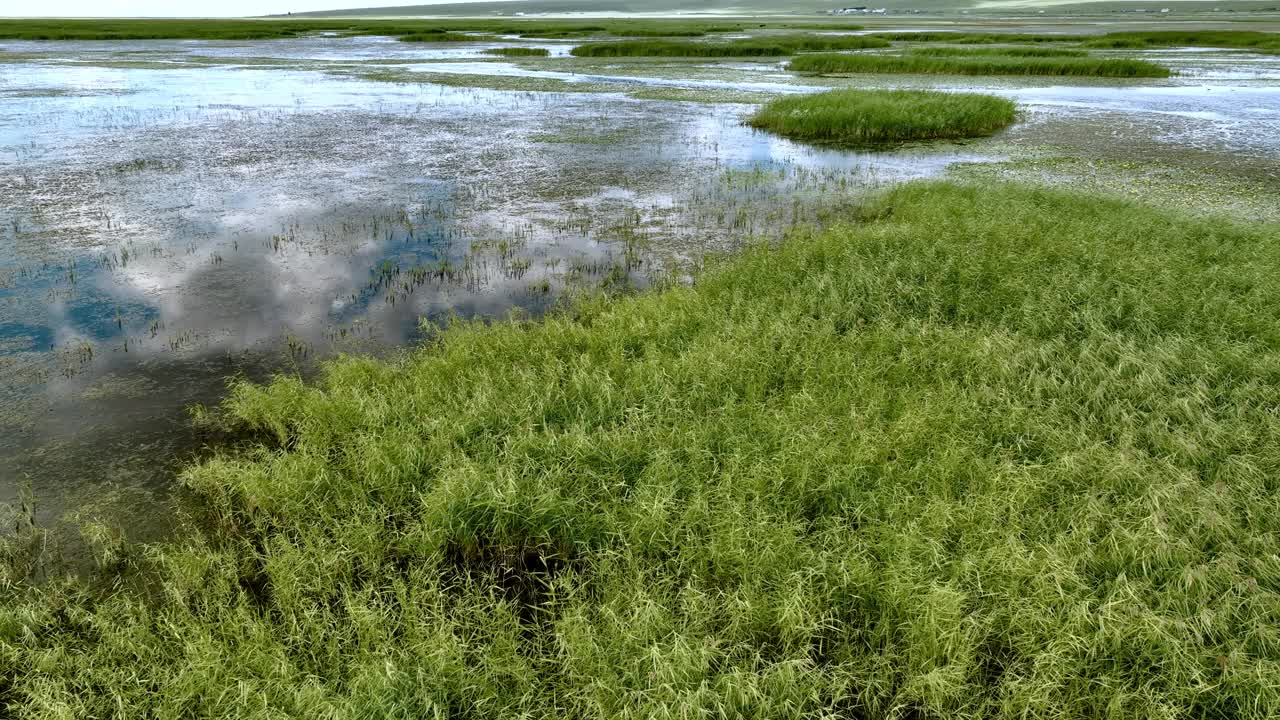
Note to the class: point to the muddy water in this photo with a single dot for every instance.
(173, 214)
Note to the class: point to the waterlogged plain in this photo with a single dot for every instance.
(166, 227)
(175, 213)
(965, 450)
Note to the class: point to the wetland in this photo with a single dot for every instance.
(638, 368)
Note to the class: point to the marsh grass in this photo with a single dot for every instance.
(434, 37)
(979, 65)
(969, 38)
(976, 453)
(1237, 39)
(1240, 39)
(877, 117)
(773, 46)
(518, 52)
(1032, 52)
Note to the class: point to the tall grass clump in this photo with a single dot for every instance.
(871, 117)
(980, 65)
(776, 46)
(979, 453)
(519, 52)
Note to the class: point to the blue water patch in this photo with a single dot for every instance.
(102, 318)
(22, 337)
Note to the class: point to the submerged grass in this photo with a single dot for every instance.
(983, 65)
(871, 117)
(509, 83)
(777, 46)
(985, 453)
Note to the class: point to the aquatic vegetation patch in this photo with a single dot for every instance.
(702, 95)
(976, 452)
(774, 46)
(1239, 39)
(514, 83)
(1034, 52)
(440, 37)
(988, 65)
(1267, 42)
(874, 117)
(970, 38)
(518, 52)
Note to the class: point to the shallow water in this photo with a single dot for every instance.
(165, 228)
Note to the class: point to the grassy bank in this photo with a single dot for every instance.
(992, 65)
(987, 453)
(777, 46)
(871, 117)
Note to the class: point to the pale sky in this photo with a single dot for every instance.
(185, 8)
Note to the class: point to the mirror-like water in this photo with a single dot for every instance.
(176, 213)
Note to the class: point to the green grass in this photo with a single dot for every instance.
(776, 46)
(519, 52)
(992, 65)
(984, 453)
(1024, 52)
(872, 117)
(1236, 39)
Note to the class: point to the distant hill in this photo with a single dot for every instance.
(511, 7)
(787, 7)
